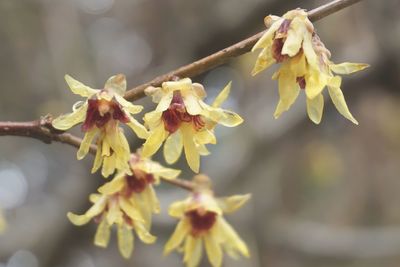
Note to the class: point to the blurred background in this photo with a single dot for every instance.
(322, 196)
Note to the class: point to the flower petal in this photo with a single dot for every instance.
(205, 136)
(315, 108)
(86, 142)
(338, 100)
(230, 239)
(191, 102)
(157, 169)
(79, 88)
(222, 96)
(138, 128)
(130, 210)
(128, 106)
(64, 122)
(154, 141)
(177, 209)
(213, 250)
(181, 231)
(125, 241)
(165, 101)
(288, 91)
(182, 85)
(191, 153)
(102, 236)
(266, 39)
(115, 185)
(143, 234)
(294, 37)
(193, 251)
(264, 61)
(173, 147)
(347, 67)
(233, 203)
(116, 84)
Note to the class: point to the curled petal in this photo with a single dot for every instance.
(143, 234)
(115, 185)
(315, 108)
(165, 102)
(205, 136)
(157, 169)
(79, 88)
(182, 85)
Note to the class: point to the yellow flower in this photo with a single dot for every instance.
(137, 185)
(3, 223)
(202, 222)
(184, 121)
(292, 41)
(110, 209)
(101, 114)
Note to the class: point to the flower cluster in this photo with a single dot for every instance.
(202, 223)
(184, 121)
(127, 201)
(101, 113)
(305, 64)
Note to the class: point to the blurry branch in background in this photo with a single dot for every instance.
(42, 129)
(200, 66)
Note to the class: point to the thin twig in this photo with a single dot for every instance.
(42, 129)
(209, 62)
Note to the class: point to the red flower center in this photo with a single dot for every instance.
(176, 114)
(278, 43)
(101, 111)
(201, 223)
(301, 81)
(138, 181)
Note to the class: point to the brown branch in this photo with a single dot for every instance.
(200, 66)
(42, 130)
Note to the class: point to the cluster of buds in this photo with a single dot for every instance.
(305, 64)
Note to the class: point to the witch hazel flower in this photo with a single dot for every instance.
(201, 223)
(137, 185)
(291, 40)
(184, 122)
(101, 114)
